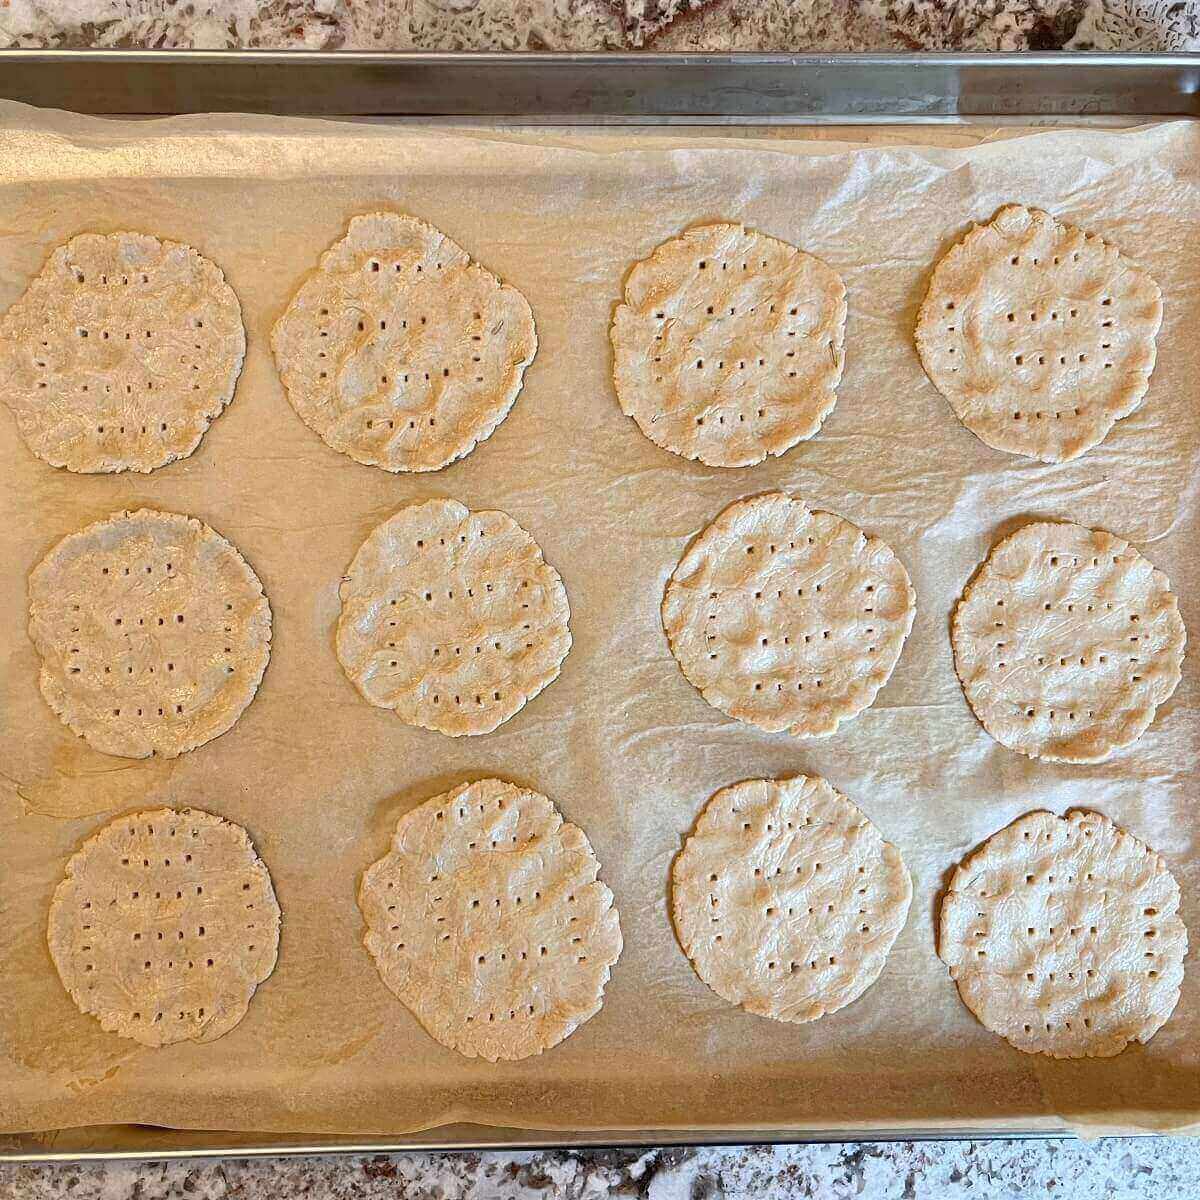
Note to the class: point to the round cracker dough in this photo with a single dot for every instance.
(786, 898)
(787, 618)
(451, 618)
(399, 350)
(729, 345)
(1039, 335)
(153, 632)
(1066, 641)
(120, 353)
(1064, 936)
(486, 918)
(164, 925)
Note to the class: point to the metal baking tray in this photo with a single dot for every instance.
(602, 88)
(149, 1143)
(648, 88)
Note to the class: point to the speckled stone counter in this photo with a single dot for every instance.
(607, 24)
(1114, 1169)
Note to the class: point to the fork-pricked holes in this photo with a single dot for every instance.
(169, 629)
(190, 925)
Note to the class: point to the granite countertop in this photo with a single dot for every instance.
(607, 24)
(1113, 1169)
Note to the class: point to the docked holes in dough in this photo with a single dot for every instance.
(1041, 336)
(830, 611)
(1088, 912)
(811, 895)
(1066, 641)
(452, 619)
(399, 351)
(164, 925)
(488, 920)
(120, 353)
(729, 345)
(153, 633)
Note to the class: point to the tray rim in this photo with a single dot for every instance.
(562, 87)
(526, 1140)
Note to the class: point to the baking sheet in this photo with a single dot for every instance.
(642, 86)
(621, 742)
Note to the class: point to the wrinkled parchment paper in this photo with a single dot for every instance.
(621, 742)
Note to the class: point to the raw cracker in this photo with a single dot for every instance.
(487, 920)
(153, 632)
(399, 350)
(786, 898)
(451, 618)
(1039, 335)
(165, 923)
(1064, 936)
(787, 618)
(1066, 641)
(729, 345)
(120, 353)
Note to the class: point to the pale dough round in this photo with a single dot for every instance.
(729, 345)
(786, 898)
(165, 923)
(451, 618)
(1064, 936)
(399, 350)
(787, 618)
(486, 918)
(120, 353)
(153, 632)
(1039, 335)
(1066, 641)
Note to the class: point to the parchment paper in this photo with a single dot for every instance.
(621, 741)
